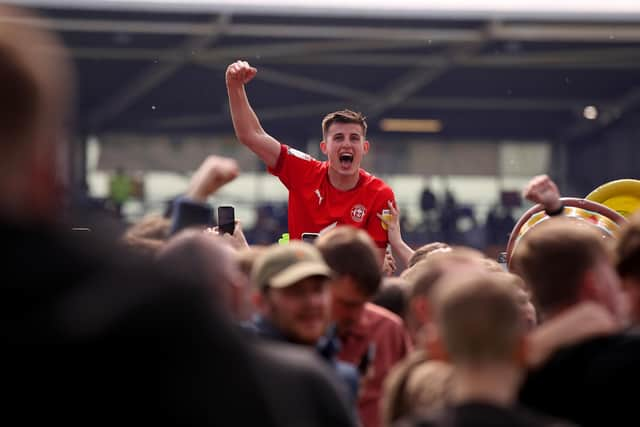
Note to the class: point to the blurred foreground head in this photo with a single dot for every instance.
(35, 99)
(209, 260)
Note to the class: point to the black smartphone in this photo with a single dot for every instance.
(226, 219)
(309, 237)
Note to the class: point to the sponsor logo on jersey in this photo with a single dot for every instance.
(358, 212)
(299, 154)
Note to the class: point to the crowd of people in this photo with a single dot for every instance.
(178, 322)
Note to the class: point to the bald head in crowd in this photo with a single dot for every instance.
(209, 259)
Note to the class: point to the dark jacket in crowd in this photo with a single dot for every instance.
(327, 348)
(591, 383)
(301, 390)
(94, 336)
(482, 414)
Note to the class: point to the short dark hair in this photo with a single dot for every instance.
(344, 116)
(393, 296)
(350, 251)
(553, 257)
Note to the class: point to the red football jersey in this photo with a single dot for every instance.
(315, 204)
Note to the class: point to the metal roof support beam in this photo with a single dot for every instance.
(260, 51)
(322, 32)
(566, 32)
(265, 114)
(488, 104)
(297, 82)
(613, 58)
(305, 110)
(567, 57)
(357, 32)
(328, 52)
(152, 77)
(83, 25)
(417, 78)
(570, 32)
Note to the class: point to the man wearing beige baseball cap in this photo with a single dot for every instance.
(292, 293)
(292, 298)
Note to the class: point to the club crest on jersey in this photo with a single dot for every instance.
(358, 212)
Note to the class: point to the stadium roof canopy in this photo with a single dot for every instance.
(475, 72)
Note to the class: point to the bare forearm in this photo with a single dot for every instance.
(248, 129)
(245, 122)
(401, 250)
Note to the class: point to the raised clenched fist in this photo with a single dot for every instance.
(541, 189)
(212, 174)
(240, 73)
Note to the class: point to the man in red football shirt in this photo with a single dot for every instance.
(321, 194)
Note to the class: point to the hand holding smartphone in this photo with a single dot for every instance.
(309, 237)
(226, 219)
